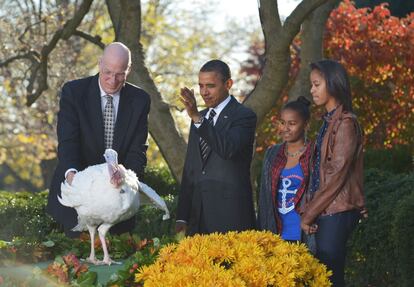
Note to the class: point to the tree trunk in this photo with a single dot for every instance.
(126, 19)
(311, 48)
(278, 39)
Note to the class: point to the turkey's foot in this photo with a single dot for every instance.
(108, 261)
(92, 260)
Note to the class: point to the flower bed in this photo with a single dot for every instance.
(25, 250)
(67, 270)
(249, 258)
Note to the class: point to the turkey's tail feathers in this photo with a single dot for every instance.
(80, 227)
(69, 197)
(151, 197)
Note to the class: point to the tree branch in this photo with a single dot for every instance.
(269, 19)
(39, 79)
(293, 22)
(28, 27)
(33, 56)
(277, 58)
(93, 39)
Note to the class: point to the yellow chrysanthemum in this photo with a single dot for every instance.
(249, 258)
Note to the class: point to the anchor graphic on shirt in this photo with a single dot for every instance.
(286, 183)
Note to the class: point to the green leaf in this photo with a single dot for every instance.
(156, 242)
(48, 243)
(87, 279)
(59, 259)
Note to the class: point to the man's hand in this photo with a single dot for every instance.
(190, 103)
(308, 229)
(180, 227)
(70, 176)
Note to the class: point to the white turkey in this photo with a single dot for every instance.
(104, 195)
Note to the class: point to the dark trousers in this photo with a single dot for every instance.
(331, 237)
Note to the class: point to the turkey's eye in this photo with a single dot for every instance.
(122, 191)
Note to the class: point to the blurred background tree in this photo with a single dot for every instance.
(377, 49)
(398, 8)
(49, 42)
(45, 43)
(176, 39)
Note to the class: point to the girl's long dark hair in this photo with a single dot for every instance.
(337, 81)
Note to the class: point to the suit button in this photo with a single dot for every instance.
(203, 172)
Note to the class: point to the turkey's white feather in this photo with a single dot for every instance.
(98, 201)
(152, 197)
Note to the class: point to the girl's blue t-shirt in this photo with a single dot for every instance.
(289, 183)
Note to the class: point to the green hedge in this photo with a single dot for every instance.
(149, 219)
(161, 180)
(150, 223)
(381, 248)
(399, 159)
(23, 214)
(402, 232)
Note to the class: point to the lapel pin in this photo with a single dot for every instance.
(225, 117)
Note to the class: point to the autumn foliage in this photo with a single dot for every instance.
(378, 51)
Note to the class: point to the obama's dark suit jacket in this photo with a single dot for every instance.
(80, 133)
(217, 196)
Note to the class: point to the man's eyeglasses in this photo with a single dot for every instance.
(109, 74)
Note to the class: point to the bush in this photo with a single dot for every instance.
(399, 159)
(371, 258)
(403, 229)
(161, 180)
(149, 222)
(149, 219)
(23, 214)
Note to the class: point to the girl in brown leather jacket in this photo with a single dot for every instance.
(336, 184)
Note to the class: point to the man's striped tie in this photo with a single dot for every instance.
(204, 148)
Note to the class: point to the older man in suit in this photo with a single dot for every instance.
(99, 112)
(216, 193)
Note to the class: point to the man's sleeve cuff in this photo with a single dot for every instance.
(198, 124)
(181, 221)
(69, 170)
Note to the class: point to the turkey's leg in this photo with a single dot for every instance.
(92, 258)
(102, 230)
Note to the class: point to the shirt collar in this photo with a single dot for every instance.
(220, 106)
(103, 93)
(328, 116)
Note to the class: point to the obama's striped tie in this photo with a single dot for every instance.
(204, 148)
